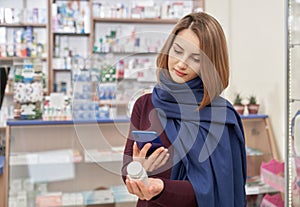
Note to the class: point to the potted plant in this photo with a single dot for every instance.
(252, 106)
(238, 105)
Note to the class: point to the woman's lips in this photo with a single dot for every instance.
(179, 73)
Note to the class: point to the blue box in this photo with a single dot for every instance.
(2, 160)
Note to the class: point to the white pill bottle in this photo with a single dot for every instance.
(136, 171)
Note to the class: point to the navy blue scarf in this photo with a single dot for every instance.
(209, 147)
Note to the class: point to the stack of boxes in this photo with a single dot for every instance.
(28, 91)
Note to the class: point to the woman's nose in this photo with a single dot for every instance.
(181, 64)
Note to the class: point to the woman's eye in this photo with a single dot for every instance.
(177, 51)
(196, 60)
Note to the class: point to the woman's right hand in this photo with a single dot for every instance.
(156, 160)
(145, 192)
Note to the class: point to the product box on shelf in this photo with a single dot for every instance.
(98, 197)
(71, 17)
(49, 199)
(84, 104)
(142, 9)
(272, 173)
(121, 194)
(28, 91)
(69, 199)
(272, 201)
(57, 107)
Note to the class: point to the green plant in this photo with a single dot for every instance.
(252, 100)
(238, 99)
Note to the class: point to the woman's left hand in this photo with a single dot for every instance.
(156, 160)
(145, 192)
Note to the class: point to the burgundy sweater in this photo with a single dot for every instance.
(176, 193)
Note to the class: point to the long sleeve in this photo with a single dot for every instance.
(176, 193)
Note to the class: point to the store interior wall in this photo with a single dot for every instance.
(257, 44)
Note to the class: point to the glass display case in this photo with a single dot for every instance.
(66, 163)
(292, 170)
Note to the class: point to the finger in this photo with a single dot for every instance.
(156, 153)
(153, 191)
(156, 186)
(161, 156)
(151, 159)
(145, 189)
(136, 150)
(128, 185)
(145, 149)
(157, 158)
(136, 189)
(164, 161)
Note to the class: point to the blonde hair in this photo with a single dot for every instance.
(214, 63)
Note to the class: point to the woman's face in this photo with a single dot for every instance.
(184, 57)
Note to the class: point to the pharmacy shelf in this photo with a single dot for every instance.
(61, 70)
(260, 189)
(113, 103)
(112, 195)
(254, 116)
(54, 1)
(71, 34)
(127, 53)
(60, 157)
(257, 155)
(21, 58)
(136, 21)
(23, 25)
(12, 122)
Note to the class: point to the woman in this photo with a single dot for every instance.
(203, 161)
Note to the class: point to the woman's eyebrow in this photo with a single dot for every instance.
(178, 45)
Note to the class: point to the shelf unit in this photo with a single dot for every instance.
(94, 20)
(97, 20)
(54, 72)
(261, 147)
(259, 136)
(123, 28)
(26, 15)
